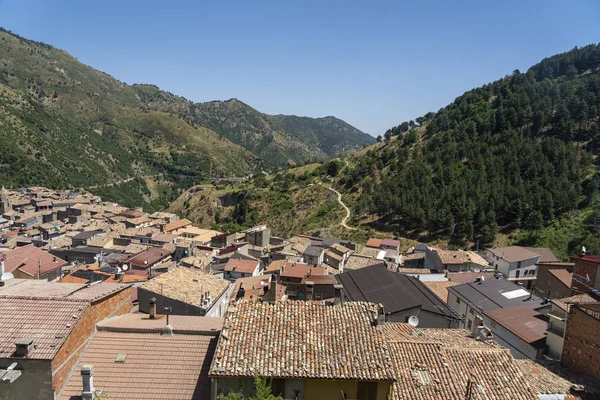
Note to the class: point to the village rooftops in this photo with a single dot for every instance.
(48, 322)
(186, 285)
(585, 257)
(375, 243)
(31, 260)
(442, 363)
(450, 257)
(175, 225)
(492, 294)
(564, 276)
(142, 366)
(40, 289)
(466, 277)
(395, 291)
(566, 302)
(148, 257)
(523, 322)
(302, 340)
(513, 254)
(241, 266)
(297, 270)
(182, 324)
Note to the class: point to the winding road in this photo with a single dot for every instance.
(347, 217)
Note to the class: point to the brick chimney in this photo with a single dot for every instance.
(23, 347)
(310, 286)
(152, 308)
(87, 376)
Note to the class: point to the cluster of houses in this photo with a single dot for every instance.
(103, 301)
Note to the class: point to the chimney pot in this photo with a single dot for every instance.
(87, 376)
(337, 297)
(309, 290)
(152, 308)
(24, 346)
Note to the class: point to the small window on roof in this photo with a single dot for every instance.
(121, 357)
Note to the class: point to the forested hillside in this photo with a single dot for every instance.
(64, 124)
(516, 153)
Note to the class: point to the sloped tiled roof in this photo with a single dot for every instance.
(155, 367)
(47, 322)
(522, 321)
(40, 289)
(31, 260)
(177, 225)
(541, 379)
(564, 276)
(302, 339)
(241, 266)
(186, 285)
(432, 364)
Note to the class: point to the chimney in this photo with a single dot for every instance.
(271, 294)
(24, 346)
(380, 316)
(337, 296)
(309, 290)
(241, 291)
(152, 309)
(87, 376)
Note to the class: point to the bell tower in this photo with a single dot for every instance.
(5, 204)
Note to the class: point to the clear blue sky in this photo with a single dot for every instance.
(373, 64)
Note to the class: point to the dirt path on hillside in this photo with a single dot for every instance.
(347, 217)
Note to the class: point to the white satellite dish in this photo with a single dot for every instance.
(125, 267)
(583, 249)
(413, 321)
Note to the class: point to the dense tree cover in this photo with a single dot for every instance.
(512, 153)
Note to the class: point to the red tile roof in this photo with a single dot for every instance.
(390, 242)
(522, 321)
(156, 367)
(376, 243)
(242, 266)
(592, 258)
(148, 257)
(293, 270)
(563, 275)
(47, 322)
(177, 225)
(466, 277)
(31, 260)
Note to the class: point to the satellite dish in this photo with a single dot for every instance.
(125, 267)
(413, 321)
(583, 249)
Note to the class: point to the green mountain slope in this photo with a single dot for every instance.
(277, 139)
(514, 159)
(64, 124)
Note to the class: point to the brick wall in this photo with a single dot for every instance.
(582, 270)
(67, 356)
(581, 350)
(69, 353)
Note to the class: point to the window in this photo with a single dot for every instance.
(457, 300)
(517, 274)
(519, 264)
(471, 311)
(470, 324)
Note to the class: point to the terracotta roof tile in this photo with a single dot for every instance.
(302, 339)
(155, 367)
(39, 289)
(542, 380)
(297, 270)
(437, 363)
(242, 266)
(562, 275)
(440, 288)
(31, 260)
(186, 285)
(48, 322)
(181, 223)
(375, 243)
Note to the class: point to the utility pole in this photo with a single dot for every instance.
(39, 269)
